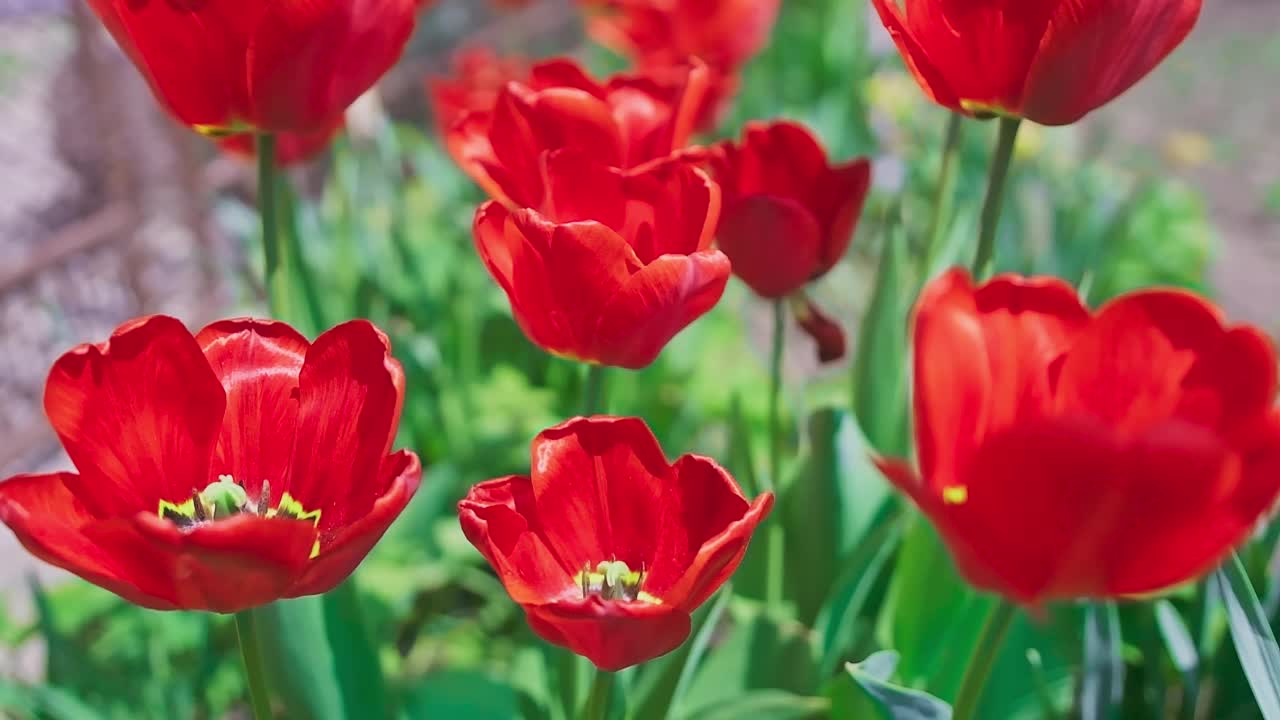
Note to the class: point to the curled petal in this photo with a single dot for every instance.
(345, 548)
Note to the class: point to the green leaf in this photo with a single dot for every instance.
(1254, 641)
(764, 705)
(1177, 639)
(894, 702)
(462, 694)
(355, 653)
(829, 505)
(880, 361)
(759, 651)
(662, 683)
(1102, 683)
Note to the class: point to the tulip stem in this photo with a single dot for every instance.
(275, 276)
(983, 659)
(995, 195)
(593, 390)
(251, 653)
(773, 529)
(597, 707)
(942, 198)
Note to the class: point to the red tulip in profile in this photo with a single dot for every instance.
(291, 148)
(1065, 454)
(606, 546)
(267, 66)
(615, 265)
(788, 216)
(626, 122)
(478, 75)
(1050, 61)
(221, 471)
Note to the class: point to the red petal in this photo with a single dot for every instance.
(612, 635)
(1124, 370)
(587, 265)
(511, 246)
(191, 53)
(139, 416)
(599, 486)
(224, 566)
(982, 361)
(350, 392)
(343, 551)
(928, 74)
(774, 243)
(984, 50)
(500, 519)
(310, 59)
(655, 304)
(1094, 50)
(827, 334)
(468, 143)
(704, 531)
(48, 521)
(258, 363)
(570, 118)
(838, 205)
(674, 209)
(579, 187)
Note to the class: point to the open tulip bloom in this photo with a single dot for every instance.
(283, 66)
(1069, 454)
(627, 122)
(221, 471)
(616, 265)
(606, 546)
(1050, 61)
(788, 216)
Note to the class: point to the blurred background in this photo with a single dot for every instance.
(109, 211)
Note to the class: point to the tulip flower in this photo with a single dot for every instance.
(627, 122)
(606, 546)
(224, 68)
(478, 76)
(662, 34)
(616, 264)
(291, 148)
(1069, 454)
(788, 216)
(723, 33)
(1049, 61)
(222, 471)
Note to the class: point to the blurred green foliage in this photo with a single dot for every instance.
(388, 238)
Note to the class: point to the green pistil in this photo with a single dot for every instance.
(613, 580)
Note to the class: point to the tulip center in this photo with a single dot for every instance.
(613, 580)
(225, 497)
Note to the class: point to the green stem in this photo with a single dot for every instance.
(251, 653)
(593, 390)
(983, 659)
(773, 479)
(597, 707)
(273, 255)
(942, 199)
(995, 195)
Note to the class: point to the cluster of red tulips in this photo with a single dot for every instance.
(1062, 452)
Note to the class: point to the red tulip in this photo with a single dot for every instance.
(626, 122)
(723, 33)
(606, 546)
(1050, 61)
(478, 76)
(615, 266)
(291, 148)
(788, 215)
(285, 66)
(1065, 454)
(221, 471)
